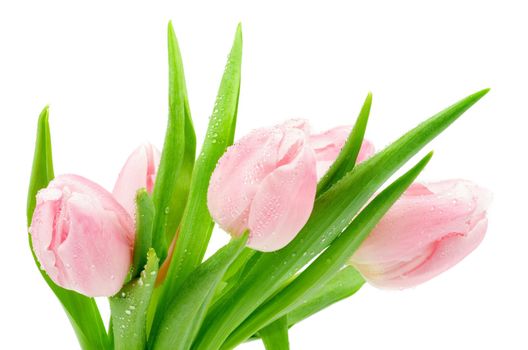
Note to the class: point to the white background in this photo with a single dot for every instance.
(101, 65)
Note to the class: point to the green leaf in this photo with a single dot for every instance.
(129, 307)
(235, 269)
(343, 285)
(42, 170)
(177, 158)
(275, 335)
(144, 224)
(183, 317)
(197, 225)
(81, 310)
(346, 160)
(332, 213)
(183, 184)
(329, 262)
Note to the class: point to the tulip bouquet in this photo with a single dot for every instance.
(310, 215)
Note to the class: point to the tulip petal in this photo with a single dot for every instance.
(283, 202)
(441, 256)
(418, 219)
(366, 151)
(48, 203)
(237, 177)
(430, 229)
(328, 144)
(138, 172)
(86, 248)
(301, 124)
(80, 184)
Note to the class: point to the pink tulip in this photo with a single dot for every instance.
(328, 144)
(430, 229)
(82, 237)
(138, 172)
(266, 184)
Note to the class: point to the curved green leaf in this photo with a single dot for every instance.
(346, 159)
(343, 285)
(177, 158)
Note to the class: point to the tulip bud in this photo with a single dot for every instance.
(428, 230)
(82, 237)
(328, 144)
(265, 184)
(138, 172)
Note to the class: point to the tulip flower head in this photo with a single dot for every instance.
(428, 230)
(138, 172)
(82, 237)
(265, 184)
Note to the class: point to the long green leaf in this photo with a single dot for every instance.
(183, 184)
(346, 160)
(275, 335)
(182, 318)
(129, 307)
(343, 285)
(81, 311)
(197, 225)
(177, 158)
(42, 170)
(332, 213)
(329, 262)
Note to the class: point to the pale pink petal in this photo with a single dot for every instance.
(76, 183)
(430, 229)
(283, 202)
(95, 250)
(366, 151)
(301, 124)
(438, 258)
(416, 220)
(42, 226)
(138, 172)
(238, 175)
(328, 144)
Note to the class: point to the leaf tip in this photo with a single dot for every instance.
(141, 192)
(423, 162)
(45, 113)
(238, 34)
(151, 255)
(171, 34)
(368, 99)
(479, 94)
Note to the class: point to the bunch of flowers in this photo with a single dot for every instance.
(310, 216)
